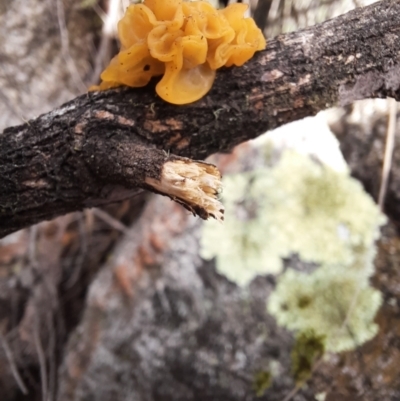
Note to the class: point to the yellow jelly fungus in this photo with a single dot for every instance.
(183, 41)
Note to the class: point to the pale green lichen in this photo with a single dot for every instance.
(324, 216)
(239, 243)
(296, 207)
(333, 302)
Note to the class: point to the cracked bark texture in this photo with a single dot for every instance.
(70, 158)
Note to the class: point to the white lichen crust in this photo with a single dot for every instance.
(194, 184)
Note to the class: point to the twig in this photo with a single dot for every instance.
(114, 223)
(65, 48)
(99, 11)
(81, 254)
(33, 232)
(13, 366)
(113, 15)
(110, 20)
(293, 392)
(52, 359)
(387, 162)
(42, 359)
(274, 9)
(299, 385)
(15, 110)
(261, 13)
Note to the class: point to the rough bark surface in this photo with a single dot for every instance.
(98, 147)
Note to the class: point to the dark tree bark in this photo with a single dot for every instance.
(102, 147)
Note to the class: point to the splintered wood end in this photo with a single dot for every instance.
(194, 184)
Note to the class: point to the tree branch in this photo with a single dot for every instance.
(105, 146)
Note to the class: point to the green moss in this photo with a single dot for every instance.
(308, 348)
(262, 381)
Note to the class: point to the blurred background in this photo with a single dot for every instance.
(295, 297)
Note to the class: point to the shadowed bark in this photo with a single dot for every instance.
(102, 147)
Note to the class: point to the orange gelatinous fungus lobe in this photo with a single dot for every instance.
(245, 48)
(164, 9)
(135, 25)
(246, 41)
(194, 51)
(205, 17)
(234, 15)
(186, 85)
(133, 67)
(185, 41)
(163, 44)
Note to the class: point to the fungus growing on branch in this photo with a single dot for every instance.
(186, 42)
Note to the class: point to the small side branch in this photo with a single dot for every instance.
(13, 366)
